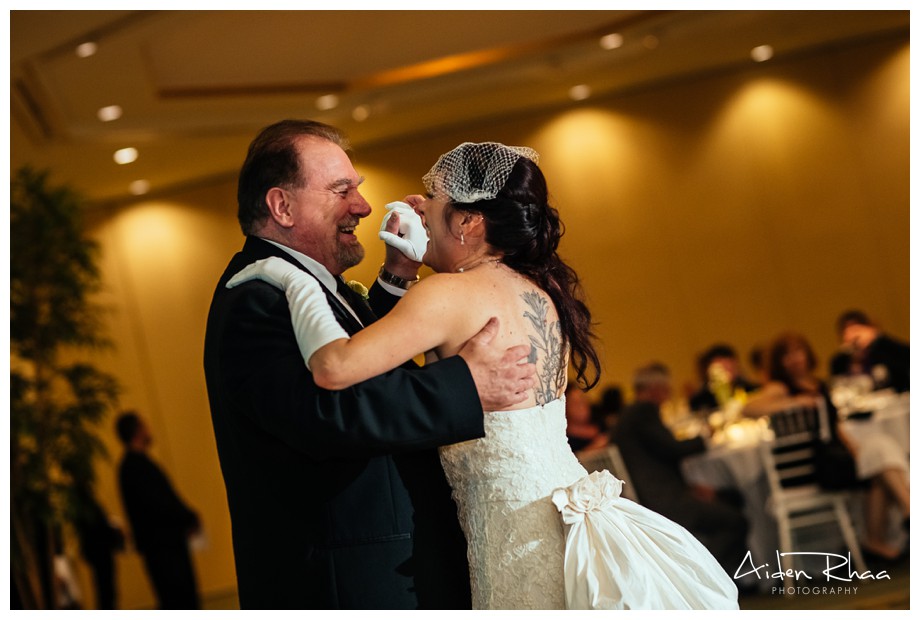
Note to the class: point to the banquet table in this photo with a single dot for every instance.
(737, 465)
(735, 462)
(890, 413)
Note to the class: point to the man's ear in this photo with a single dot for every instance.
(279, 207)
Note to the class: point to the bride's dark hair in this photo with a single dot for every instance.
(522, 225)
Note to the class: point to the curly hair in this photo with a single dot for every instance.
(520, 223)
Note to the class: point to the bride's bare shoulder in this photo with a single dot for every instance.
(437, 290)
(453, 293)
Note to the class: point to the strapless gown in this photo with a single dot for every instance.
(543, 534)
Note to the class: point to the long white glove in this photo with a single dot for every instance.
(314, 323)
(414, 240)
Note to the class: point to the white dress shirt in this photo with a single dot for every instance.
(327, 279)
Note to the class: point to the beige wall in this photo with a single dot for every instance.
(725, 208)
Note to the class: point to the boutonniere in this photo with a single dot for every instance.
(359, 288)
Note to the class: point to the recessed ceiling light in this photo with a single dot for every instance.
(139, 187)
(125, 156)
(650, 41)
(327, 102)
(612, 41)
(361, 113)
(109, 113)
(85, 50)
(580, 92)
(762, 53)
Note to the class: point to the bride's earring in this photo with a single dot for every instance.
(462, 240)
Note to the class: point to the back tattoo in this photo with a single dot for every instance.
(547, 343)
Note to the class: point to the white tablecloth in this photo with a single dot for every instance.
(891, 418)
(740, 467)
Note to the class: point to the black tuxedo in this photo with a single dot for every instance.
(337, 498)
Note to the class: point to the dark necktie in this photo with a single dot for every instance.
(355, 301)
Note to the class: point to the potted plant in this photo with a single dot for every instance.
(56, 399)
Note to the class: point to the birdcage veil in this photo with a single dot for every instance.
(475, 171)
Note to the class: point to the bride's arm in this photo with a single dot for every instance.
(773, 397)
(422, 320)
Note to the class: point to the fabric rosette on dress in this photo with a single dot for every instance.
(621, 555)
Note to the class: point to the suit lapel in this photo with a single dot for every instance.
(258, 249)
(357, 303)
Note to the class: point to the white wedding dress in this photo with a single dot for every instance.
(603, 551)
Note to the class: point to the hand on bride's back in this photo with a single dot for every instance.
(503, 377)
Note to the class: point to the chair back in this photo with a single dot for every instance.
(796, 499)
(790, 458)
(609, 458)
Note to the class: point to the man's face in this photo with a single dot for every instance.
(660, 393)
(327, 206)
(143, 437)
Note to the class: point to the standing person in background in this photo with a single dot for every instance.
(100, 540)
(160, 521)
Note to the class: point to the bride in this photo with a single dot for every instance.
(492, 240)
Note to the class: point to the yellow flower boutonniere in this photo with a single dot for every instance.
(359, 288)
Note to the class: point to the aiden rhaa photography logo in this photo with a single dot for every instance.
(838, 575)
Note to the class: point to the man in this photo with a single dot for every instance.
(100, 540)
(337, 498)
(160, 520)
(652, 456)
(865, 350)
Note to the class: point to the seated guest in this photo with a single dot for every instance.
(582, 432)
(865, 350)
(652, 456)
(605, 412)
(719, 364)
(874, 456)
(758, 364)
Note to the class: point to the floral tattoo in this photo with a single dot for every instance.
(551, 376)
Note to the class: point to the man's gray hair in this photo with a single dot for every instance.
(651, 375)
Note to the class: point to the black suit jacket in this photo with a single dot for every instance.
(652, 456)
(159, 518)
(337, 498)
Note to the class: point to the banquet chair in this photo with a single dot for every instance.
(795, 497)
(609, 458)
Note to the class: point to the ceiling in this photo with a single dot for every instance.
(195, 86)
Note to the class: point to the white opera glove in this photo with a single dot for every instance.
(414, 240)
(314, 323)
